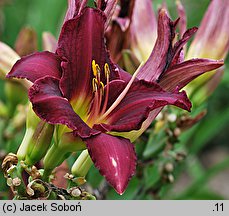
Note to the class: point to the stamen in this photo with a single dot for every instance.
(98, 72)
(94, 68)
(122, 95)
(102, 87)
(107, 75)
(95, 84)
(98, 89)
(107, 70)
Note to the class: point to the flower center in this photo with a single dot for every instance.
(100, 99)
(98, 111)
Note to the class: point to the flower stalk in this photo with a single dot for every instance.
(60, 150)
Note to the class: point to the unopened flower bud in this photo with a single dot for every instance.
(171, 178)
(16, 181)
(172, 117)
(177, 132)
(40, 142)
(26, 42)
(37, 139)
(15, 94)
(75, 191)
(82, 165)
(169, 167)
(8, 58)
(49, 42)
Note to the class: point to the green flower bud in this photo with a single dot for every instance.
(37, 139)
(82, 165)
(60, 150)
(39, 142)
(15, 94)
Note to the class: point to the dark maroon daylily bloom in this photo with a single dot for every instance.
(81, 88)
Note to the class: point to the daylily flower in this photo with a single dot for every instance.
(80, 87)
(211, 40)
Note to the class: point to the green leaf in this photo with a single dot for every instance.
(155, 144)
(151, 176)
(201, 182)
(209, 129)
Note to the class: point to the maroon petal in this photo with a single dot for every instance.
(36, 66)
(81, 41)
(52, 107)
(181, 74)
(109, 10)
(125, 76)
(114, 157)
(74, 8)
(134, 109)
(157, 61)
(175, 53)
(117, 36)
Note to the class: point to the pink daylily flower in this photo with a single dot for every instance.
(80, 87)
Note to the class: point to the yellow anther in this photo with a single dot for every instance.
(102, 87)
(94, 84)
(98, 71)
(107, 70)
(94, 68)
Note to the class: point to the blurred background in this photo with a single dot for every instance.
(203, 174)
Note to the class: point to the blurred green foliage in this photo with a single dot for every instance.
(212, 131)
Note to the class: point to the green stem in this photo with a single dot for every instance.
(54, 157)
(16, 172)
(60, 151)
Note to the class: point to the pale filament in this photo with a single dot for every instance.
(122, 95)
(98, 88)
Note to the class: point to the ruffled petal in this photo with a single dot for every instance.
(135, 107)
(181, 74)
(176, 54)
(109, 10)
(74, 8)
(52, 107)
(157, 61)
(81, 41)
(114, 157)
(36, 66)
